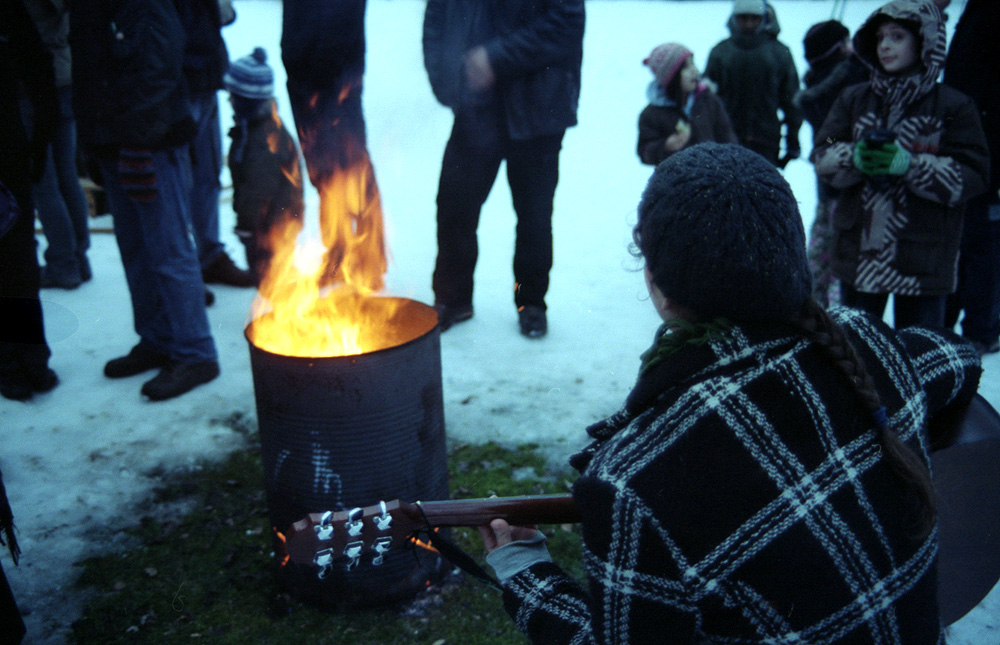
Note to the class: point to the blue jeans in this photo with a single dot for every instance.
(160, 261)
(206, 164)
(61, 204)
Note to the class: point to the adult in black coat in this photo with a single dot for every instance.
(131, 102)
(24, 62)
(510, 71)
(973, 67)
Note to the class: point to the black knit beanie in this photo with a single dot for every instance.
(823, 39)
(720, 230)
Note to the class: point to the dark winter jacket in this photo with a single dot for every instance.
(708, 122)
(901, 234)
(205, 56)
(535, 49)
(755, 75)
(52, 19)
(128, 81)
(973, 68)
(25, 65)
(740, 496)
(824, 83)
(266, 172)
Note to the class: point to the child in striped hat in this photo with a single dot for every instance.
(263, 160)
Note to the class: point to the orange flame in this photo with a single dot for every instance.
(284, 541)
(423, 545)
(318, 299)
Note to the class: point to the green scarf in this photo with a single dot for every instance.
(676, 334)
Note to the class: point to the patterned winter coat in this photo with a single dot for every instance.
(901, 234)
(658, 120)
(740, 497)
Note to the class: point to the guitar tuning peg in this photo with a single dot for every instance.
(323, 560)
(383, 522)
(353, 551)
(324, 530)
(354, 524)
(381, 545)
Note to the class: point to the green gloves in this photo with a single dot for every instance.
(881, 159)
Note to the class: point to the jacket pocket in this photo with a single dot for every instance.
(919, 253)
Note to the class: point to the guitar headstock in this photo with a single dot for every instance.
(324, 538)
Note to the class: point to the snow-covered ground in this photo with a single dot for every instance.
(77, 460)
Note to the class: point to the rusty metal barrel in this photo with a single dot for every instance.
(351, 431)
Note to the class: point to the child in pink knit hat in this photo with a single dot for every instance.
(682, 111)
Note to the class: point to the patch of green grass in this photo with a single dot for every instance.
(209, 575)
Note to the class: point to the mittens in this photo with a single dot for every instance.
(883, 159)
(137, 173)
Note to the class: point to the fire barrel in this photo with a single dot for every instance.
(350, 431)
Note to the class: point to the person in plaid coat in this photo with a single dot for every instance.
(767, 478)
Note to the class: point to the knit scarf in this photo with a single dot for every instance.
(676, 334)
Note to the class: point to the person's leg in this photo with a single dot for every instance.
(978, 292)
(922, 311)
(873, 303)
(471, 161)
(64, 158)
(24, 352)
(206, 164)
(160, 261)
(61, 268)
(533, 173)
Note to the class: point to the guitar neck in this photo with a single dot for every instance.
(533, 509)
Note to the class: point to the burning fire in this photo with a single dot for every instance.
(320, 298)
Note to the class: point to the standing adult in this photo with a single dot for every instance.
(25, 65)
(973, 67)
(59, 199)
(510, 72)
(135, 119)
(756, 77)
(205, 62)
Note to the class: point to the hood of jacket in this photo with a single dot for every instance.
(932, 33)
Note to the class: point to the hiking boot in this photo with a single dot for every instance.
(223, 271)
(140, 359)
(179, 377)
(532, 321)
(449, 315)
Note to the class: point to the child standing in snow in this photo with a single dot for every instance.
(907, 152)
(682, 111)
(263, 160)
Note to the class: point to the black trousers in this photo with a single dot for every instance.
(978, 292)
(923, 311)
(479, 142)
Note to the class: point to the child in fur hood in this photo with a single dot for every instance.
(263, 161)
(682, 111)
(907, 153)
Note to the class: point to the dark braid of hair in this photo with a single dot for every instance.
(830, 337)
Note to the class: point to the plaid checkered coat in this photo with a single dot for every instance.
(740, 497)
